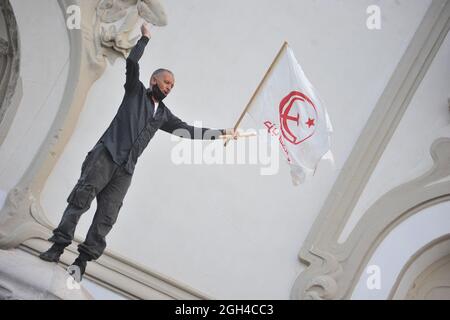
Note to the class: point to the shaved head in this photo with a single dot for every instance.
(163, 79)
(159, 71)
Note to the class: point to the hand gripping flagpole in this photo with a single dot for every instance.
(268, 72)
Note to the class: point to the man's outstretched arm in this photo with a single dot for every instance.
(178, 127)
(132, 74)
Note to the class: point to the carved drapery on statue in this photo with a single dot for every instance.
(116, 20)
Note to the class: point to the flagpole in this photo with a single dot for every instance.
(269, 70)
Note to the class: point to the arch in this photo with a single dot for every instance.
(423, 259)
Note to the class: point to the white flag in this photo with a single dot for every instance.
(288, 106)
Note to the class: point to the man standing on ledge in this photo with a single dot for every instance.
(108, 168)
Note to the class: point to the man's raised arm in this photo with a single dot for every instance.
(132, 74)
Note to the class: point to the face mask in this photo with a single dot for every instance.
(157, 93)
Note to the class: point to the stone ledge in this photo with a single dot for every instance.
(24, 276)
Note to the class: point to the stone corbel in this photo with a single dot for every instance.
(323, 285)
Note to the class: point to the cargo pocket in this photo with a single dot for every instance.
(81, 195)
(86, 161)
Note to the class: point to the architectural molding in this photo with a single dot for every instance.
(22, 219)
(425, 257)
(26, 277)
(433, 283)
(10, 83)
(332, 268)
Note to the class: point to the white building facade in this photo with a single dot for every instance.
(376, 225)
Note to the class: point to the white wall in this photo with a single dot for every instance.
(226, 230)
(407, 155)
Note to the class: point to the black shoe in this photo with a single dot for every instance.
(77, 269)
(53, 254)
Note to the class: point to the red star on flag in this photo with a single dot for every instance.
(310, 123)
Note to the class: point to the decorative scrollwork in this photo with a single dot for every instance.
(324, 286)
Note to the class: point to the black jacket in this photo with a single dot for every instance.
(134, 125)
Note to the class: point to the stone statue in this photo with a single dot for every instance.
(116, 19)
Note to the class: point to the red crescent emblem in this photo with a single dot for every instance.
(286, 118)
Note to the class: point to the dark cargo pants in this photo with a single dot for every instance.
(100, 177)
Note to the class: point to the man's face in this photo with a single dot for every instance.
(165, 82)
